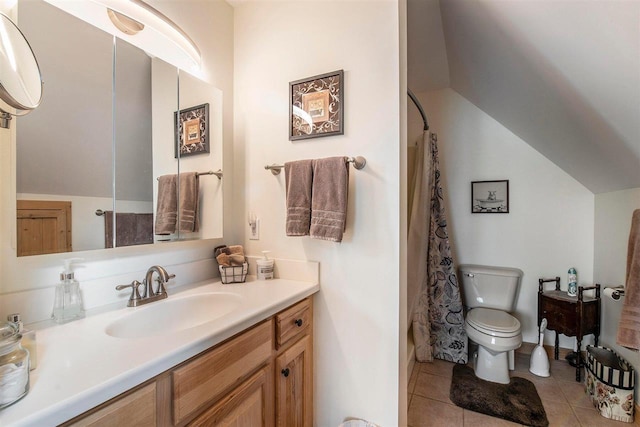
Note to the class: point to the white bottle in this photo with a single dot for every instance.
(265, 267)
(67, 305)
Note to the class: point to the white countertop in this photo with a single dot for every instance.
(80, 366)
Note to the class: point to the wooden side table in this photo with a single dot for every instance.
(572, 316)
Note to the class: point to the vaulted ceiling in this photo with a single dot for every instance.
(564, 76)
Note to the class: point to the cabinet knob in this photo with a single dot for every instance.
(298, 322)
(285, 372)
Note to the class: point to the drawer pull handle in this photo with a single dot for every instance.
(298, 322)
(285, 372)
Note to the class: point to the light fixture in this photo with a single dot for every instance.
(139, 24)
(124, 23)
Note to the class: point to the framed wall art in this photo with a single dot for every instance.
(192, 130)
(490, 196)
(316, 106)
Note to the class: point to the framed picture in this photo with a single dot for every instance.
(490, 196)
(192, 130)
(316, 106)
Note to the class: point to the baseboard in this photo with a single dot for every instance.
(527, 348)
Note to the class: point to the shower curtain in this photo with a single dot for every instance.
(434, 296)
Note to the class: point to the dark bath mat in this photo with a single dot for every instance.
(517, 401)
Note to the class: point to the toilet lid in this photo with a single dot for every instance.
(493, 322)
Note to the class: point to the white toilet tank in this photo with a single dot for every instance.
(490, 287)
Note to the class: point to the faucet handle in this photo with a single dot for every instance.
(160, 280)
(135, 294)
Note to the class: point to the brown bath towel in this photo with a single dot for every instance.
(188, 203)
(298, 178)
(131, 229)
(167, 208)
(629, 326)
(330, 196)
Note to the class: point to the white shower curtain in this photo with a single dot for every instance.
(433, 293)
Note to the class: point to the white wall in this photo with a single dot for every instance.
(612, 224)
(357, 310)
(550, 225)
(210, 24)
(613, 213)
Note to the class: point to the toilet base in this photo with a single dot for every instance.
(492, 366)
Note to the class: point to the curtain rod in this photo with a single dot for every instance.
(415, 101)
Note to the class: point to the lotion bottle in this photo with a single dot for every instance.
(265, 267)
(67, 305)
(572, 280)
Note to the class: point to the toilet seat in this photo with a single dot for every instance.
(495, 323)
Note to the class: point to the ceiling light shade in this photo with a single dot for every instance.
(124, 23)
(158, 35)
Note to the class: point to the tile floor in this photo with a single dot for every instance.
(564, 399)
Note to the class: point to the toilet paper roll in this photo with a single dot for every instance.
(613, 293)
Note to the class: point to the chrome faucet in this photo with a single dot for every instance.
(150, 294)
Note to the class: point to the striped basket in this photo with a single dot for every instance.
(610, 383)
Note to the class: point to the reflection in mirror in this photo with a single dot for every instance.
(204, 194)
(133, 150)
(64, 148)
(65, 152)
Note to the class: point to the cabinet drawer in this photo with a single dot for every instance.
(249, 404)
(204, 379)
(135, 409)
(293, 322)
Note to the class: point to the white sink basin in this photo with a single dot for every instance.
(173, 315)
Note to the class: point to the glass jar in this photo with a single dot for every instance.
(14, 366)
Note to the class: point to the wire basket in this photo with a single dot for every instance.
(234, 274)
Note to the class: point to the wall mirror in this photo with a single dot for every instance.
(104, 134)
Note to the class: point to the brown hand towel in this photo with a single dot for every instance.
(298, 179)
(188, 203)
(167, 208)
(629, 325)
(330, 196)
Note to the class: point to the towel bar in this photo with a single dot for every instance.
(358, 162)
(217, 173)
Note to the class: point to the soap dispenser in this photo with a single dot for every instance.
(67, 305)
(265, 267)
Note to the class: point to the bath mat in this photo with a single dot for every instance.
(517, 401)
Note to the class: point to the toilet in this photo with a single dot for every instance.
(490, 295)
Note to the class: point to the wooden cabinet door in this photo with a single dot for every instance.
(248, 405)
(135, 409)
(44, 227)
(294, 388)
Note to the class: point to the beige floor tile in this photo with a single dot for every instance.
(533, 378)
(475, 419)
(433, 387)
(413, 378)
(426, 413)
(560, 414)
(575, 394)
(562, 371)
(438, 367)
(590, 417)
(522, 362)
(549, 391)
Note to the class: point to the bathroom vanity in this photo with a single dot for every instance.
(252, 363)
